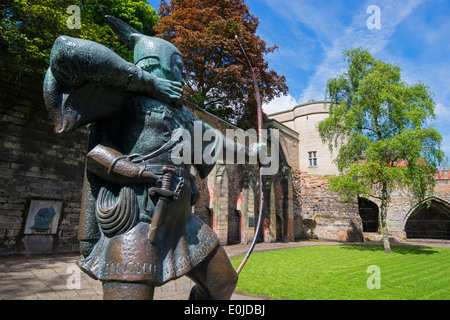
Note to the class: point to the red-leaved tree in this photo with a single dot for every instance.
(216, 74)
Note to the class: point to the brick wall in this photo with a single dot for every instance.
(36, 164)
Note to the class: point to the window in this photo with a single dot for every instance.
(312, 157)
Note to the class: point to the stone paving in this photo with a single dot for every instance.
(51, 277)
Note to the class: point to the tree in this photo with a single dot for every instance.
(216, 74)
(29, 28)
(381, 128)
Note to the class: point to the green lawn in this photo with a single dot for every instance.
(340, 272)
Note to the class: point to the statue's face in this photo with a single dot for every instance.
(176, 66)
(153, 66)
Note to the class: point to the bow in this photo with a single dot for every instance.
(260, 138)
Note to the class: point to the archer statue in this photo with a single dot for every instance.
(136, 228)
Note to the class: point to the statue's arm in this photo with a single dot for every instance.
(73, 62)
(215, 146)
(106, 162)
(232, 149)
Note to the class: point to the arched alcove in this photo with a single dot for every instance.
(369, 212)
(429, 220)
(234, 227)
(212, 222)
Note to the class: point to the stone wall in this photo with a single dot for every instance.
(402, 207)
(323, 215)
(36, 164)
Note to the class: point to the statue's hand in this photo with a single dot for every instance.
(168, 91)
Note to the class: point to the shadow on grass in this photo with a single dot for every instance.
(400, 249)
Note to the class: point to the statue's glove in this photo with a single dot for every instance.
(109, 164)
(167, 91)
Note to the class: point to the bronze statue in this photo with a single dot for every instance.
(136, 228)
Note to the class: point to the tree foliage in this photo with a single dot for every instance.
(29, 28)
(382, 130)
(216, 75)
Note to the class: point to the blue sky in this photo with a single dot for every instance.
(311, 34)
(413, 34)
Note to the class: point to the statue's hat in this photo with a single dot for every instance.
(143, 46)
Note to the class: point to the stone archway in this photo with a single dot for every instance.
(369, 213)
(429, 219)
(283, 200)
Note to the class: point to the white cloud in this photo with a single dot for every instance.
(280, 104)
(312, 23)
(328, 25)
(342, 25)
(442, 111)
(357, 35)
(443, 116)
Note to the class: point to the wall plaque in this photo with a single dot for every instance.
(43, 217)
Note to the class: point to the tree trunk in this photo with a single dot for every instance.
(383, 217)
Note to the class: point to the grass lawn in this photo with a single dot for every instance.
(340, 272)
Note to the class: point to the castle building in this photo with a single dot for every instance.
(427, 220)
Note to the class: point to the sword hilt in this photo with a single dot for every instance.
(167, 178)
(165, 195)
(165, 191)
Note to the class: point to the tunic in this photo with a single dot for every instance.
(145, 131)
